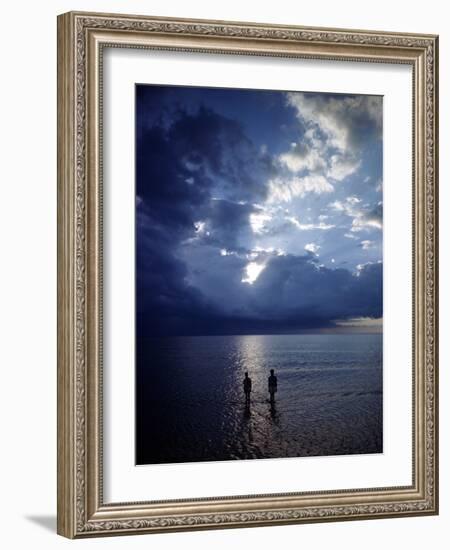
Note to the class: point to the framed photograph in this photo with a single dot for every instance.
(247, 274)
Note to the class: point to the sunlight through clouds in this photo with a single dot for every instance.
(252, 272)
(309, 226)
(313, 248)
(284, 190)
(258, 222)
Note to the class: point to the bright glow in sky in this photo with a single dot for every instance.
(252, 272)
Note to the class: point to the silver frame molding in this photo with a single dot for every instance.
(81, 39)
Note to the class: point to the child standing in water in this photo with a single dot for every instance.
(247, 387)
(272, 380)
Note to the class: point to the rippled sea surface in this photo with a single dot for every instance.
(191, 406)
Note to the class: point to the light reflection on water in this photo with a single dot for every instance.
(191, 404)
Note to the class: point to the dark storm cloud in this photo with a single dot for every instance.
(292, 293)
(226, 222)
(200, 157)
(294, 290)
(188, 176)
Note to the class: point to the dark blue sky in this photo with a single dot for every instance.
(257, 211)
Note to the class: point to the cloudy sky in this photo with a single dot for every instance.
(257, 211)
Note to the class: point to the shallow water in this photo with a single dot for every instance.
(191, 406)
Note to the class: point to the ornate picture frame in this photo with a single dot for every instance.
(82, 38)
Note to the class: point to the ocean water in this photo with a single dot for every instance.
(190, 403)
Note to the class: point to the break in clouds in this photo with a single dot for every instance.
(257, 211)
